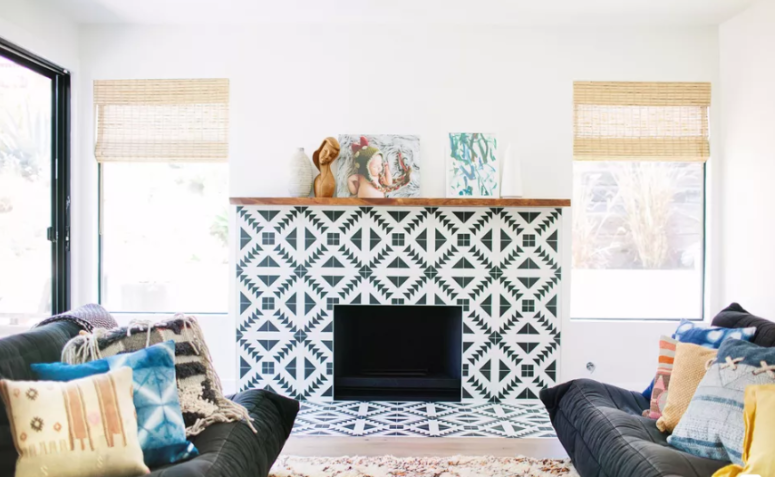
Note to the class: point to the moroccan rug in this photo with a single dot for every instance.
(389, 466)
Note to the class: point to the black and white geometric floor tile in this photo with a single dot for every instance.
(421, 419)
(502, 265)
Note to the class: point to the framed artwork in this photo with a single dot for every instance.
(378, 166)
(472, 165)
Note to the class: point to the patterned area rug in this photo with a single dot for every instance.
(389, 466)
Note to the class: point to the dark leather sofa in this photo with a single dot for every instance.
(226, 449)
(602, 429)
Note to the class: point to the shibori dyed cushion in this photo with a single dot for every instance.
(199, 389)
(699, 334)
(161, 430)
(80, 428)
(713, 424)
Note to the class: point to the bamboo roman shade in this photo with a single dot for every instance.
(162, 120)
(641, 121)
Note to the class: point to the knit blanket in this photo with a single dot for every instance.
(88, 317)
(201, 396)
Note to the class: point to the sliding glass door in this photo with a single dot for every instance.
(34, 192)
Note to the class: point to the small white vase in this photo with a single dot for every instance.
(511, 179)
(301, 174)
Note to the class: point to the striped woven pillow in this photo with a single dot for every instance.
(662, 379)
(713, 424)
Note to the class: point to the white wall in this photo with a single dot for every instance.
(37, 28)
(747, 43)
(294, 85)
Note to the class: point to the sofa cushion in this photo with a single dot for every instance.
(735, 316)
(602, 430)
(231, 449)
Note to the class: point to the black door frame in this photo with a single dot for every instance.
(59, 232)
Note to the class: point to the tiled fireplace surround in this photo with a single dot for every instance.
(502, 265)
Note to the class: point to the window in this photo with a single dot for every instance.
(463, 240)
(527, 371)
(529, 240)
(638, 200)
(333, 239)
(34, 189)
(162, 147)
(398, 240)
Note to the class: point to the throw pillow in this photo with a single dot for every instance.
(662, 379)
(710, 337)
(81, 428)
(161, 431)
(201, 398)
(713, 424)
(68, 372)
(759, 434)
(688, 371)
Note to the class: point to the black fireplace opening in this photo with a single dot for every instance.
(397, 352)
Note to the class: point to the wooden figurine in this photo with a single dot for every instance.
(325, 184)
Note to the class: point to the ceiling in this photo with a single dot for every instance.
(512, 12)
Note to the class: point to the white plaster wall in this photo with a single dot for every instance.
(292, 86)
(747, 173)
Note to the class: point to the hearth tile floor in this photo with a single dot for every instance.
(422, 419)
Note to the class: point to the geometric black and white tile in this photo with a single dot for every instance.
(295, 264)
(422, 419)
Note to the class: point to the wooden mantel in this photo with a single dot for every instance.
(399, 202)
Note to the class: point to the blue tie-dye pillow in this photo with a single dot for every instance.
(160, 427)
(696, 333)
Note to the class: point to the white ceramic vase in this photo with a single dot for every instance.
(511, 178)
(301, 174)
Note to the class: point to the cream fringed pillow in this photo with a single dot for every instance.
(688, 371)
(81, 428)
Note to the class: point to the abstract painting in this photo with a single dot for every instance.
(472, 167)
(378, 166)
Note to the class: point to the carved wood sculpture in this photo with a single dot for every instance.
(325, 184)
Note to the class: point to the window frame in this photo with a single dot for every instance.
(704, 259)
(59, 231)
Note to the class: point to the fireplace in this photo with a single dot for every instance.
(397, 352)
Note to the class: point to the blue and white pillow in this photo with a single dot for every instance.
(713, 425)
(160, 427)
(699, 334)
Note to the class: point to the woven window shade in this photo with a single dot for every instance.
(641, 121)
(162, 120)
